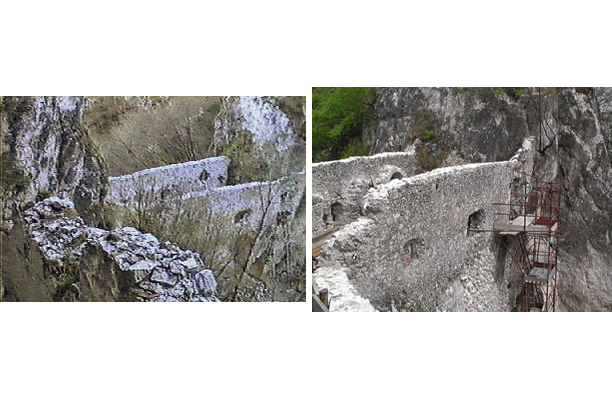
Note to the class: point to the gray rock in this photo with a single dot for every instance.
(164, 277)
(205, 282)
(143, 265)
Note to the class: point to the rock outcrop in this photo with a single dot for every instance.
(257, 128)
(135, 266)
(478, 124)
(46, 138)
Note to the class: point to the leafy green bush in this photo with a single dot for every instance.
(339, 116)
(355, 148)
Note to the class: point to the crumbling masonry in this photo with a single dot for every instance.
(406, 245)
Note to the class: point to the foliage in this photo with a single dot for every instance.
(105, 113)
(425, 126)
(15, 107)
(153, 133)
(430, 151)
(43, 194)
(339, 116)
(431, 156)
(488, 93)
(11, 176)
(69, 275)
(245, 165)
(355, 148)
(104, 216)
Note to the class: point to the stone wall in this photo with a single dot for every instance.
(251, 235)
(411, 249)
(168, 181)
(339, 186)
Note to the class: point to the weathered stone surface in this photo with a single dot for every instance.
(407, 254)
(252, 234)
(573, 136)
(272, 131)
(165, 183)
(339, 186)
(107, 265)
(478, 123)
(53, 149)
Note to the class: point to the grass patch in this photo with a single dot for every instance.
(12, 177)
(69, 275)
(430, 151)
(355, 148)
(425, 127)
(245, 165)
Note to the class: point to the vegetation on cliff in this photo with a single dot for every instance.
(339, 117)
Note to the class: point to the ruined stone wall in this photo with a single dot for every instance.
(339, 186)
(259, 232)
(251, 235)
(168, 181)
(411, 249)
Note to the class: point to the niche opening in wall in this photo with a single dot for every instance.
(412, 250)
(476, 220)
(397, 175)
(337, 210)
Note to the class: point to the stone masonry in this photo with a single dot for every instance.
(339, 186)
(411, 250)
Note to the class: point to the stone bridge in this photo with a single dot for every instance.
(410, 249)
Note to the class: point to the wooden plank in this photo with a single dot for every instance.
(521, 220)
(324, 236)
(317, 304)
(318, 241)
(324, 296)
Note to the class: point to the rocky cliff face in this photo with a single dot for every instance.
(258, 129)
(53, 200)
(573, 131)
(45, 137)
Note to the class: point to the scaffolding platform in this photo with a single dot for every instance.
(514, 226)
(540, 275)
(532, 217)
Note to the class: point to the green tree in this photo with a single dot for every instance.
(339, 116)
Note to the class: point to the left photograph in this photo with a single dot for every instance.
(153, 198)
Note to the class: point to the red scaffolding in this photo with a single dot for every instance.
(533, 218)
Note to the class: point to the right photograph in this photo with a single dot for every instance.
(462, 199)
